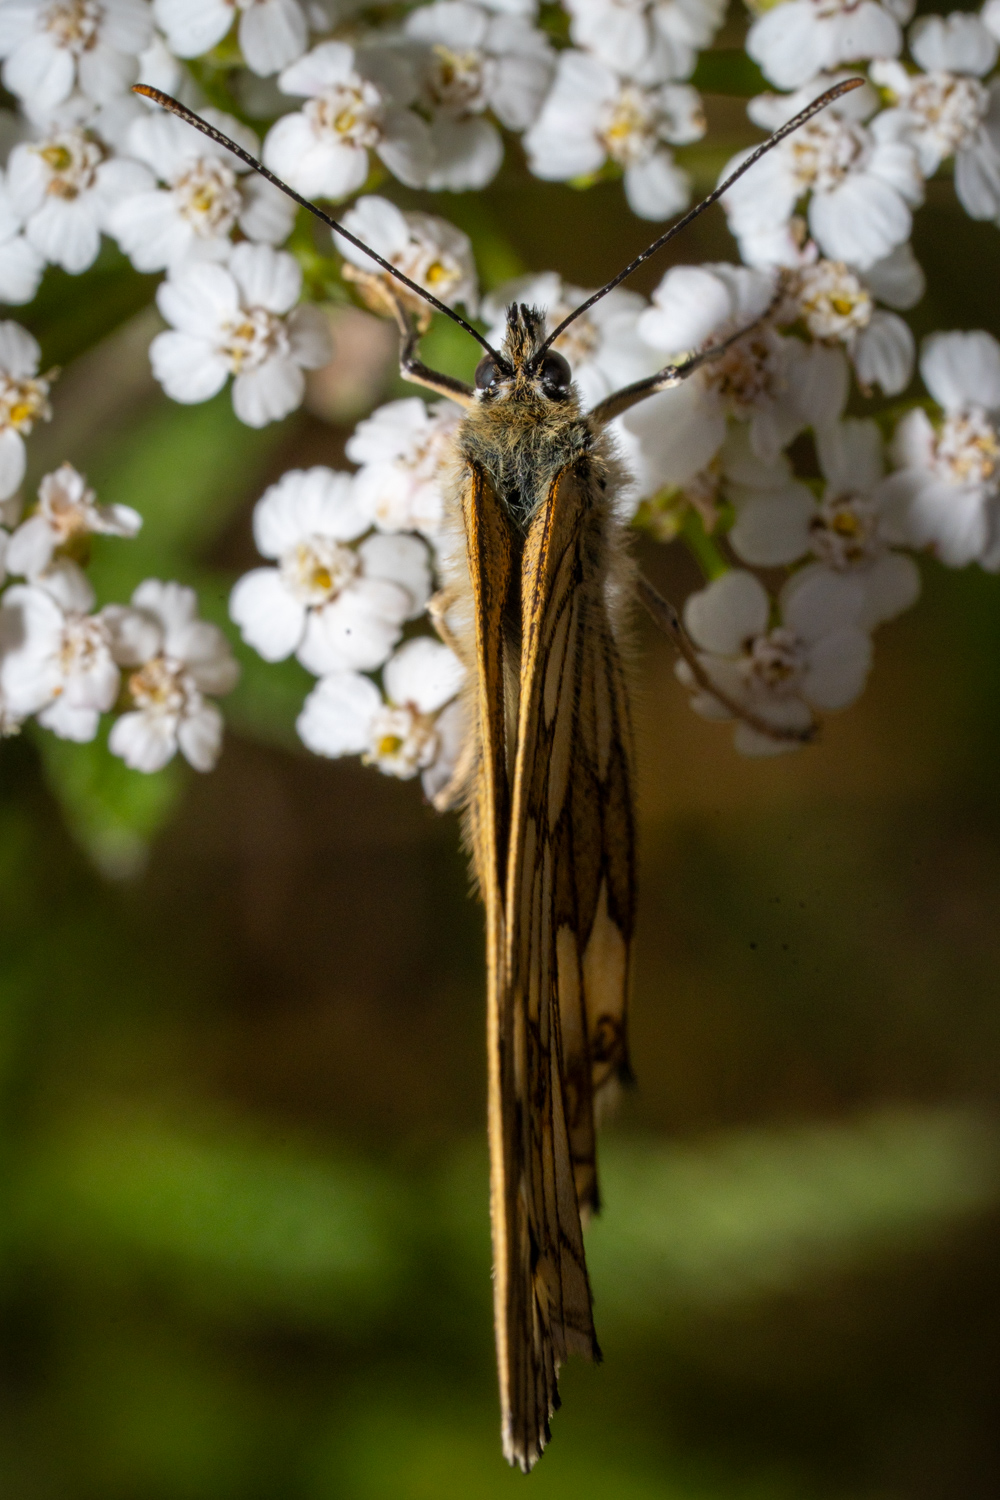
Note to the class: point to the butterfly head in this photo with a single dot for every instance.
(523, 370)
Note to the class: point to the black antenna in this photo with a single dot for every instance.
(779, 135)
(181, 110)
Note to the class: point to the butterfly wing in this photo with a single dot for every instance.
(569, 905)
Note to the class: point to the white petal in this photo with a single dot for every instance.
(199, 736)
(272, 35)
(145, 742)
(953, 44)
(199, 300)
(19, 351)
(270, 619)
(403, 560)
(187, 368)
(790, 44)
(860, 221)
(817, 601)
(40, 72)
(657, 187)
(268, 393)
(962, 369)
(884, 352)
(838, 667)
(12, 462)
(135, 636)
(464, 154)
(672, 436)
(337, 714)
(730, 611)
(892, 584)
(953, 520)
(21, 267)
(305, 503)
(69, 721)
(267, 278)
(105, 74)
(30, 549)
(772, 530)
(850, 455)
(358, 629)
(897, 280)
(67, 233)
(977, 177)
(689, 305)
(820, 381)
(193, 26)
(267, 214)
(313, 164)
(150, 230)
(423, 672)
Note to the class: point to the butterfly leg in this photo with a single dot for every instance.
(621, 401)
(666, 617)
(413, 369)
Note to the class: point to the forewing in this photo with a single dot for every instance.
(488, 544)
(568, 920)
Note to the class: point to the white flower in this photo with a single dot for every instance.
(429, 250)
(64, 188)
(322, 149)
(794, 41)
(240, 320)
(837, 306)
(603, 346)
(944, 493)
(417, 727)
(21, 266)
(818, 657)
(24, 400)
(861, 187)
(473, 61)
(335, 606)
(648, 41)
(53, 46)
(779, 385)
(271, 33)
(177, 659)
(591, 116)
(946, 110)
(208, 194)
(778, 521)
(66, 513)
(404, 449)
(56, 657)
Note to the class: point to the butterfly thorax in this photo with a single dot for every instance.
(527, 422)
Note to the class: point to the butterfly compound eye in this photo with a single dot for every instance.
(486, 373)
(555, 375)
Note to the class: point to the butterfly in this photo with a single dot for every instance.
(537, 604)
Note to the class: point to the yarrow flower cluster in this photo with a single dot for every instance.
(775, 461)
(63, 661)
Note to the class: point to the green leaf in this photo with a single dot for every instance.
(112, 812)
(728, 70)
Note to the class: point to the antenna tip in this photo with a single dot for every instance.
(157, 95)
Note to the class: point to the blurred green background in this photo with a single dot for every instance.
(244, 1247)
